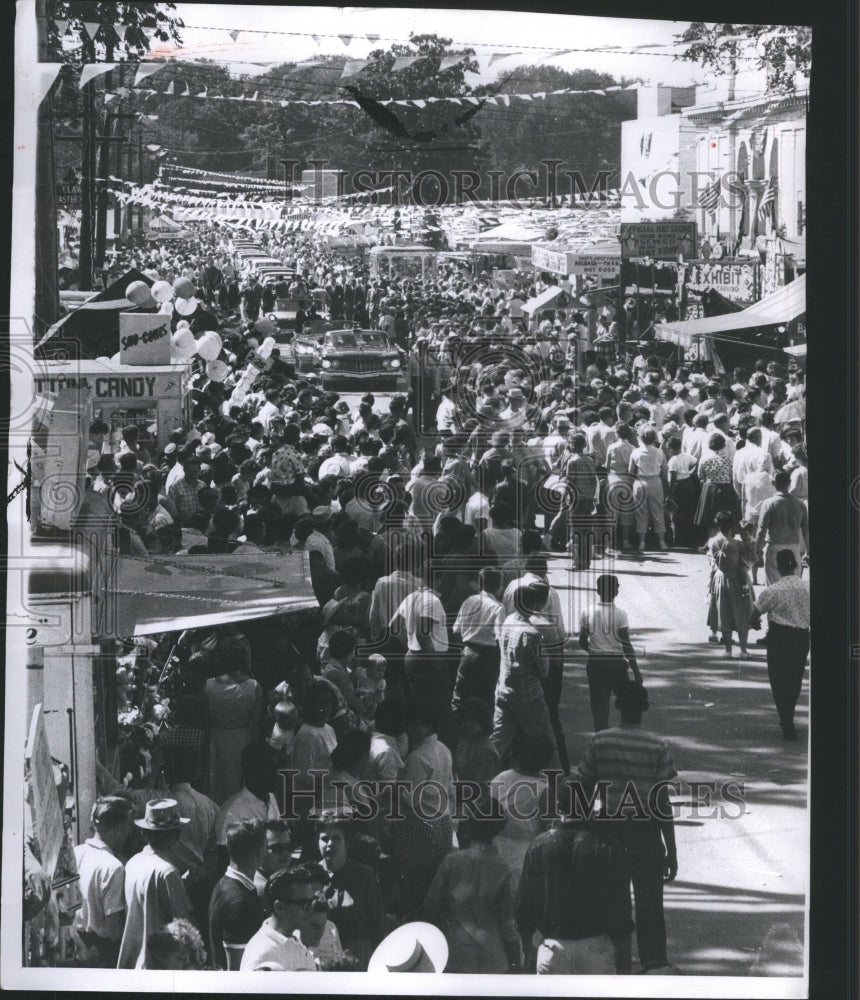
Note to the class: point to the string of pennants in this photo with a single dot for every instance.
(91, 71)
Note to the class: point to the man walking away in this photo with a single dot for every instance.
(637, 768)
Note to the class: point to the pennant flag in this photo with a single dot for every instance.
(768, 201)
(402, 62)
(110, 98)
(234, 34)
(120, 30)
(92, 28)
(144, 70)
(45, 76)
(169, 88)
(316, 38)
(496, 56)
(491, 100)
(709, 199)
(448, 61)
(559, 52)
(525, 97)
(187, 91)
(373, 39)
(472, 100)
(254, 98)
(61, 25)
(540, 95)
(153, 147)
(420, 104)
(92, 70)
(352, 67)
(149, 32)
(346, 39)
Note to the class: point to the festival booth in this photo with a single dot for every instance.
(155, 398)
(763, 329)
(87, 610)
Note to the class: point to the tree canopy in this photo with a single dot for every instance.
(781, 49)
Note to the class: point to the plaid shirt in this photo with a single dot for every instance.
(187, 742)
(184, 496)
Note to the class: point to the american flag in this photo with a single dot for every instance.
(710, 197)
(768, 200)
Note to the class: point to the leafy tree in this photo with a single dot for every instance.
(107, 44)
(781, 49)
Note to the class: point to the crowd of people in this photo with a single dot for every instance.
(262, 815)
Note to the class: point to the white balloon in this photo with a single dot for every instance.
(217, 371)
(183, 343)
(166, 308)
(182, 323)
(162, 291)
(115, 358)
(186, 307)
(209, 346)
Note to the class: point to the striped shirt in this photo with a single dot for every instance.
(628, 757)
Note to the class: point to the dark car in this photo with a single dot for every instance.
(361, 358)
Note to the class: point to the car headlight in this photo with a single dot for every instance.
(326, 363)
(395, 363)
(273, 317)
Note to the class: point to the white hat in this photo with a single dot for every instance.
(415, 947)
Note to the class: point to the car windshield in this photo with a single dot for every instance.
(355, 339)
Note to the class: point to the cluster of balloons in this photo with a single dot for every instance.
(180, 296)
(208, 346)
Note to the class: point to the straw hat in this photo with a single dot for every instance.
(162, 814)
(415, 947)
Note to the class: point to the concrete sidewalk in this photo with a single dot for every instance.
(739, 897)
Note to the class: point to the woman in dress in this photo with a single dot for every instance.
(472, 900)
(730, 606)
(234, 703)
(646, 464)
(519, 792)
(619, 484)
(715, 468)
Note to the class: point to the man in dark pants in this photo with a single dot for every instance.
(637, 768)
(604, 635)
(787, 605)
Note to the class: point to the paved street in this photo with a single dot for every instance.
(738, 878)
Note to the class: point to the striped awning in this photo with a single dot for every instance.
(784, 305)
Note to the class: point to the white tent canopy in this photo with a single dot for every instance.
(542, 300)
(784, 305)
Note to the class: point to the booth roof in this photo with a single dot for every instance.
(94, 325)
(545, 297)
(167, 593)
(784, 305)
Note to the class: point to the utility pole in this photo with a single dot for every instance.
(47, 298)
(88, 175)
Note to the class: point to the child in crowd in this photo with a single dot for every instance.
(283, 732)
(370, 685)
(749, 554)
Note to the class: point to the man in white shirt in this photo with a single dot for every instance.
(385, 760)
(751, 458)
(100, 920)
(291, 895)
(255, 799)
(390, 591)
(340, 462)
(422, 620)
(477, 624)
(446, 410)
(604, 635)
